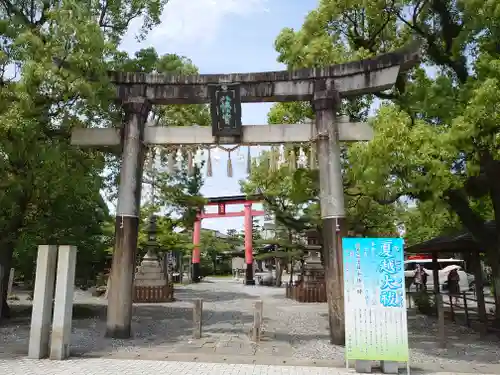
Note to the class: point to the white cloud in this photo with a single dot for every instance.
(199, 21)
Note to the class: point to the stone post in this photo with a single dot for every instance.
(325, 102)
(63, 303)
(257, 321)
(195, 271)
(197, 317)
(249, 279)
(119, 317)
(42, 301)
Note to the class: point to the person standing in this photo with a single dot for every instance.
(420, 278)
(454, 284)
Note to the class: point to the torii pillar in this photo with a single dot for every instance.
(325, 103)
(248, 225)
(195, 260)
(119, 313)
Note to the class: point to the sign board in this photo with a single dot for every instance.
(225, 108)
(375, 302)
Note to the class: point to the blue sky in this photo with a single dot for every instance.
(226, 36)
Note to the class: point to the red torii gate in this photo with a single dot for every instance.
(247, 213)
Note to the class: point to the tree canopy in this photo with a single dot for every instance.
(54, 58)
(436, 132)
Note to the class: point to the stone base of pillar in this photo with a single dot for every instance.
(195, 273)
(249, 280)
(120, 294)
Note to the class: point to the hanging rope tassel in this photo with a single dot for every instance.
(190, 163)
(312, 156)
(229, 166)
(292, 163)
(272, 160)
(179, 158)
(281, 157)
(150, 159)
(302, 158)
(209, 164)
(171, 162)
(249, 161)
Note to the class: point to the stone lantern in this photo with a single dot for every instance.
(314, 273)
(150, 282)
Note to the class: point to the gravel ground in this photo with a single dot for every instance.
(291, 330)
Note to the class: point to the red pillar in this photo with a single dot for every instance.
(195, 270)
(249, 280)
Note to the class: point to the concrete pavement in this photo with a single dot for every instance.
(140, 367)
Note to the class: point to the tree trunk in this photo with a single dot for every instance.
(495, 280)
(291, 271)
(214, 263)
(5, 262)
(259, 265)
(492, 169)
(487, 239)
(279, 272)
(7, 245)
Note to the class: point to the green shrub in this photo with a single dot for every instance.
(425, 303)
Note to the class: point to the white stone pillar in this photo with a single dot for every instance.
(42, 301)
(63, 304)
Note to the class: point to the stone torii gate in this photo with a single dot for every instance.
(324, 87)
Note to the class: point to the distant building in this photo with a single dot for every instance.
(269, 227)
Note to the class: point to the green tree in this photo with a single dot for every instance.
(176, 192)
(256, 231)
(427, 220)
(51, 55)
(293, 197)
(212, 249)
(436, 134)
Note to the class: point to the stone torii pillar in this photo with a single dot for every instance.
(120, 295)
(325, 103)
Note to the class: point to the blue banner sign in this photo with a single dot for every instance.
(375, 303)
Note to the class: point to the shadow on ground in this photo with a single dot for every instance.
(211, 296)
(152, 326)
(167, 328)
(463, 344)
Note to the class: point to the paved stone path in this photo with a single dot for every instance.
(139, 367)
(294, 333)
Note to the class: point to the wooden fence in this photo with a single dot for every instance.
(462, 309)
(306, 294)
(154, 294)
